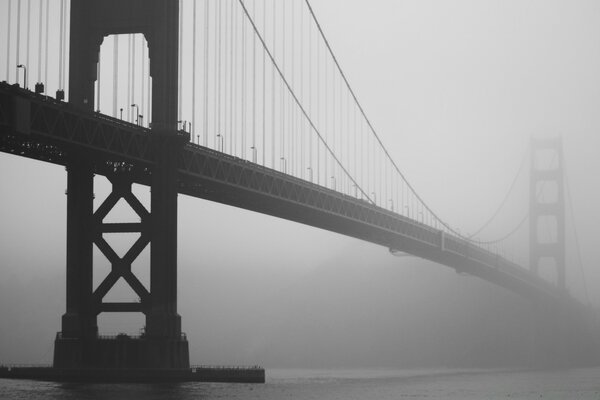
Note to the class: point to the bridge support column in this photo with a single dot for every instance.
(553, 209)
(79, 324)
(162, 345)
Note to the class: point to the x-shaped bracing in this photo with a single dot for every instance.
(121, 266)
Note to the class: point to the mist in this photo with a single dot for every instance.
(456, 90)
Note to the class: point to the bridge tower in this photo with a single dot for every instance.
(162, 345)
(553, 209)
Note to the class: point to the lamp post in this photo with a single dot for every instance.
(333, 182)
(221, 142)
(284, 164)
(137, 112)
(24, 74)
(310, 175)
(253, 148)
(121, 109)
(184, 126)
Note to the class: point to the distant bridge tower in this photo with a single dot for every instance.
(547, 213)
(162, 345)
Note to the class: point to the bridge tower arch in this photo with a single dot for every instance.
(552, 209)
(163, 345)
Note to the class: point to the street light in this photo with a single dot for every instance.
(311, 173)
(136, 113)
(284, 164)
(24, 74)
(253, 154)
(334, 182)
(184, 126)
(121, 109)
(220, 140)
(392, 202)
(141, 119)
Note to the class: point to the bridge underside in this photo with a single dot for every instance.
(52, 132)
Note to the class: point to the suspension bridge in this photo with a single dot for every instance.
(239, 102)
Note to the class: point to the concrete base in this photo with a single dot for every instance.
(135, 375)
(121, 352)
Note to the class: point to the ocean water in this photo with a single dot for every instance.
(340, 385)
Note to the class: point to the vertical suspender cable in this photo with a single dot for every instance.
(310, 99)
(64, 44)
(355, 143)
(18, 36)
(326, 122)
(9, 17)
(206, 33)
(180, 64)
(115, 73)
(128, 105)
(61, 46)
(215, 84)
(194, 11)
(234, 81)
(254, 87)
(218, 52)
(135, 118)
(223, 52)
(232, 34)
(301, 136)
(318, 92)
(46, 46)
(274, 46)
(28, 48)
(292, 114)
(40, 47)
(333, 119)
(65, 53)
(243, 91)
(226, 81)
(264, 88)
(282, 133)
(290, 90)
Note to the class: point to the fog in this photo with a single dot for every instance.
(455, 90)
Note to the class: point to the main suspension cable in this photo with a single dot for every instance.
(504, 200)
(295, 98)
(448, 227)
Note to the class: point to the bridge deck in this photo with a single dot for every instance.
(42, 128)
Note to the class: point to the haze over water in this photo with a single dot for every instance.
(340, 385)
